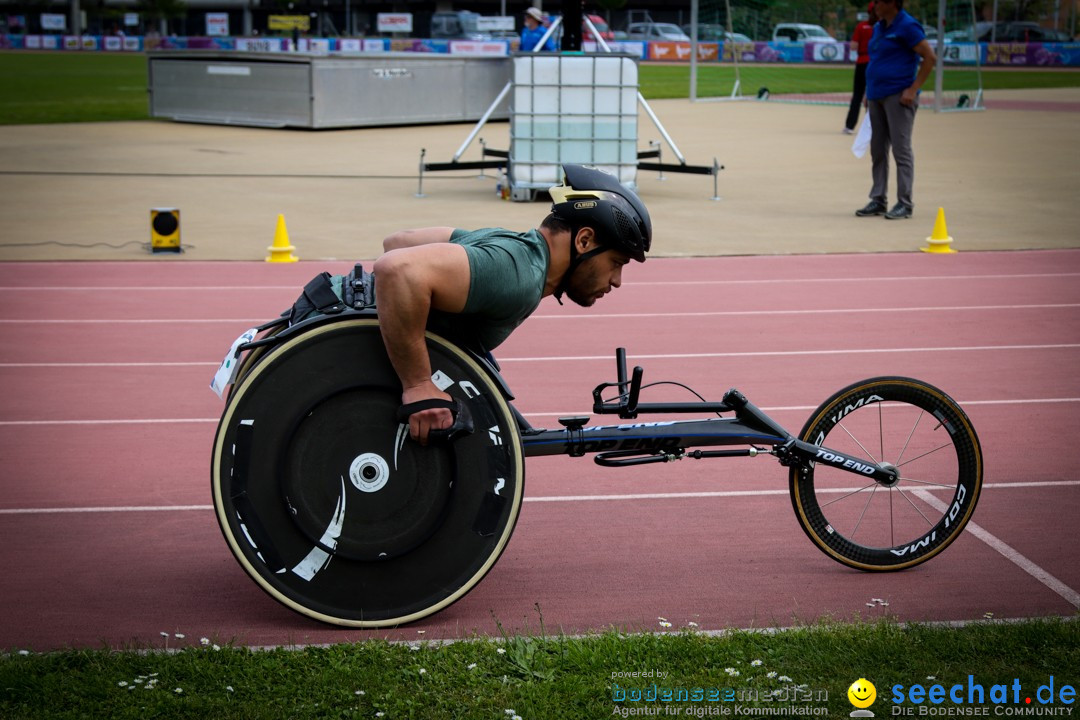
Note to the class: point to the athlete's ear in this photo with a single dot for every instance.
(586, 239)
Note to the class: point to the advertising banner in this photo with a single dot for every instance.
(1033, 54)
(781, 51)
(666, 50)
(289, 22)
(708, 51)
(417, 45)
(314, 45)
(217, 24)
(495, 23)
(53, 21)
(633, 47)
(741, 51)
(468, 47)
(826, 52)
(259, 44)
(394, 22)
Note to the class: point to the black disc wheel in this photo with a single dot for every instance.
(328, 504)
(904, 424)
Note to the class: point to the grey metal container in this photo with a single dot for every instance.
(323, 91)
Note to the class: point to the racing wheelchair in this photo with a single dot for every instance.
(335, 512)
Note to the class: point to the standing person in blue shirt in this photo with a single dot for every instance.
(533, 31)
(893, 79)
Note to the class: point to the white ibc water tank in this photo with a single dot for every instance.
(572, 108)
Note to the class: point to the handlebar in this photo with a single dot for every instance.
(627, 405)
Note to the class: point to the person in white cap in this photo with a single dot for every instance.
(533, 31)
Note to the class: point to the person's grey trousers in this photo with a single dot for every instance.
(892, 125)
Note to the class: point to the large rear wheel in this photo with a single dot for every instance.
(330, 507)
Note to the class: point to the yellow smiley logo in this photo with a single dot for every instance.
(862, 693)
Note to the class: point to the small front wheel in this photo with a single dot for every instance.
(877, 526)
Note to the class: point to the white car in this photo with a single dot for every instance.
(655, 31)
(801, 32)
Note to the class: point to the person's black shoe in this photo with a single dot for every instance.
(899, 212)
(872, 208)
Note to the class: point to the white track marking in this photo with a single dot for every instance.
(108, 364)
(567, 413)
(594, 316)
(1008, 552)
(123, 421)
(146, 288)
(546, 499)
(662, 356)
(824, 311)
(745, 281)
(794, 353)
(130, 321)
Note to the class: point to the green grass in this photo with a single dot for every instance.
(72, 87)
(536, 677)
(673, 81)
(92, 87)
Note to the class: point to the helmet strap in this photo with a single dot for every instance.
(576, 259)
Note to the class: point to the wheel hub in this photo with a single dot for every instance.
(894, 475)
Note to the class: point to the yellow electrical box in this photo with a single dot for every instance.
(165, 230)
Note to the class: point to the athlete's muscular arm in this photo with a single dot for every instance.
(419, 236)
(412, 281)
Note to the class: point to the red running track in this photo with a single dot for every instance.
(107, 535)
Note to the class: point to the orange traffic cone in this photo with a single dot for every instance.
(281, 250)
(939, 239)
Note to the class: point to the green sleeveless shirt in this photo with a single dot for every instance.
(507, 273)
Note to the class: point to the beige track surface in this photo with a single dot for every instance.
(1007, 179)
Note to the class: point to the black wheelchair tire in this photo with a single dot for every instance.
(274, 480)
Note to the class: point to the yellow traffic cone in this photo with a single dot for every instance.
(281, 250)
(939, 239)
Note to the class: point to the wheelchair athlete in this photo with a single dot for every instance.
(477, 286)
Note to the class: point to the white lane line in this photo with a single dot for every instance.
(757, 493)
(567, 413)
(248, 322)
(145, 288)
(737, 281)
(105, 509)
(658, 356)
(591, 316)
(1008, 552)
(825, 311)
(123, 421)
(807, 408)
(793, 353)
(162, 364)
(554, 498)
(874, 279)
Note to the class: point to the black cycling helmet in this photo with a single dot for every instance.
(593, 198)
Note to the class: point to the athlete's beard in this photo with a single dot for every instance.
(576, 290)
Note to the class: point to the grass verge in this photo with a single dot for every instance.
(72, 87)
(673, 81)
(544, 677)
(38, 87)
